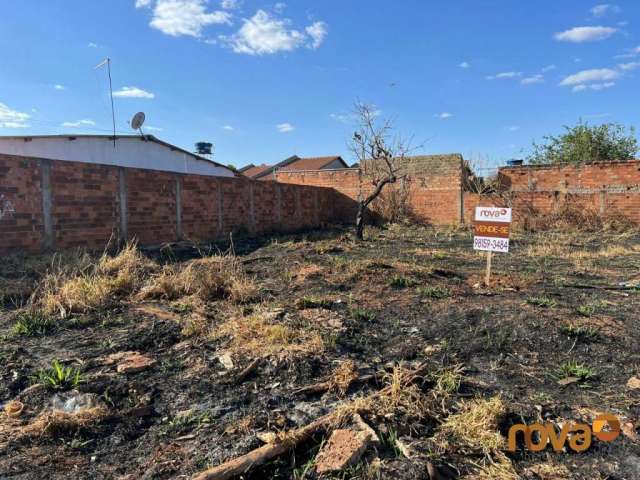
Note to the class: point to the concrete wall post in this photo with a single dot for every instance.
(47, 203)
(220, 209)
(252, 208)
(179, 207)
(122, 204)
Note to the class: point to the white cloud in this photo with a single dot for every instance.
(532, 79)
(285, 127)
(603, 9)
(149, 128)
(512, 128)
(142, 3)
(593, 86)
(264, 34)
(59, 87)
(230, 4)
(548, 68)
(92, 45)
(133, 92)
(79, 123)
(630, 53)
(341, 117)
(14, 125)
(228, 128)
(185, 17)
(585, 34)
(317, 32)
(12, 118)
(590, 76)
(443, 115)
(629, 66)
(464, 65)
(504, 75)
(279, 7)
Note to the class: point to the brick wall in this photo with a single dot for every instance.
(151, 205)
(434, 189)
(22, 221)
(84, 203)
(607, 188)
(432, 186)
(51, 204)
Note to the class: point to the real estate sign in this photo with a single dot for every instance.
(491, 229)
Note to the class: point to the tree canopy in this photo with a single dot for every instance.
(584, 143)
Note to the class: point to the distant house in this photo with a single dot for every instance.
(134, 151)
(263, 172)
(253, 171)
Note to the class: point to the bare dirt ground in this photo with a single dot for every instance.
(224, 346)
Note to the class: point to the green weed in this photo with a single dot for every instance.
(59, 377)
(544, 302)
(436, 292)
(572, 368)
(305, 303)
(580, 332)
(389, 440)
(32, 323)
(362, 315)
(400, 282)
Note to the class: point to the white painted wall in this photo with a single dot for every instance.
(129, 152)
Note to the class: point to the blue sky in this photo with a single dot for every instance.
(265, 80)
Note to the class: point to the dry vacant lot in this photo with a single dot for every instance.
(162, 364)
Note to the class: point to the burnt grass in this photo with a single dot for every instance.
(404, 295)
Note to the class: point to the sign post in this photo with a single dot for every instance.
(491, 233)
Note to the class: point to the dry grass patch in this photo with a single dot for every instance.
(56, 422)
(83, 285)
(210, 278)
(342, 377)
(475, 426)
(263, 334)
(307, 271)
(401, 397)
(499, 468)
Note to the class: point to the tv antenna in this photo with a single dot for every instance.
(107, 62)
(137, 121)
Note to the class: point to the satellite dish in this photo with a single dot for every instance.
(137, 120)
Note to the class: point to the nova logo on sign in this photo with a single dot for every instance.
(491, 229)
(605, 427)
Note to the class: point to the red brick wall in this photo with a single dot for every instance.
(200, 208)
(86, 208)
(574, 179)
(151, 205)
(21, 201)
(431, 199)
(607, 188)
(84, 204)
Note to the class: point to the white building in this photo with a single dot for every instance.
(133, 151)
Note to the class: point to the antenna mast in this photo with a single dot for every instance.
(107, 61)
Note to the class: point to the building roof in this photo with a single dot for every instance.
(303, 163)
(253, 171)
(134, 151)
(148, 138)
(311, 163)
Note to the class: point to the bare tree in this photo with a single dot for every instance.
(380, 157)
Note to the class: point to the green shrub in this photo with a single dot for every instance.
(400, 282)
(59, 377)
(436, 292)
(32, 323)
